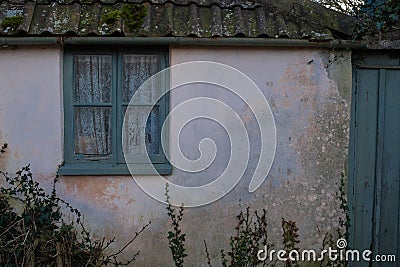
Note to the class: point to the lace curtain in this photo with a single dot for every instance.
(93, 104)
(143, 133)
(93, 76)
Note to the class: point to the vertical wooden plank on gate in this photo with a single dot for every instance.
(352, 157)
(379, 161)
(365, 159)
(389, 200)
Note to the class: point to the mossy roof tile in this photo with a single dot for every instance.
(181, 18)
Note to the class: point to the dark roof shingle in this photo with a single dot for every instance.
(180, 18)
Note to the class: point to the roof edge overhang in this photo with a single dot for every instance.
(184, 41)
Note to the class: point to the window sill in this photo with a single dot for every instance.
(113, 169)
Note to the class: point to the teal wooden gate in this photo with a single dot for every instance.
(374, 160)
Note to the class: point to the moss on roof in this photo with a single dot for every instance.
(300, 19)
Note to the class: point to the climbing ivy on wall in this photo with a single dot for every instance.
(37, 228)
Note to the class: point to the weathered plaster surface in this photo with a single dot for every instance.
(30, 108)
(309, 94)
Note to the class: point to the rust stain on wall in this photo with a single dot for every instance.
(101, 191)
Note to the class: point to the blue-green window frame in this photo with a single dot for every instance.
(116, 164)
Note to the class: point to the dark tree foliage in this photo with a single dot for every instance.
(373, 16)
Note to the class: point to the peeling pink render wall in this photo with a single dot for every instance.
(309, 93)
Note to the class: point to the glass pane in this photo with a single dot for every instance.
(93, 76)
(141, 136)
(136, 70)
(93, 130)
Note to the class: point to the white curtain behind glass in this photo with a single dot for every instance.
(93, 76)
(143, 134)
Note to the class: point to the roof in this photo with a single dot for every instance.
(301, 19)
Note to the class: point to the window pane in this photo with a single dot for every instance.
(93, 130)
(93, 77)
(141, 136)
(136, 70)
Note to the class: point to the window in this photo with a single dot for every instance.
(98, 86)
